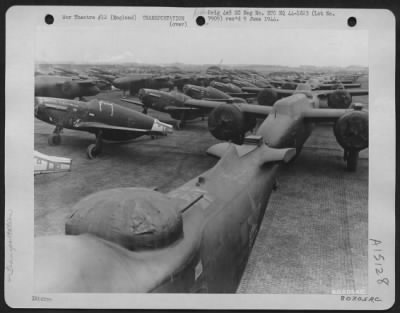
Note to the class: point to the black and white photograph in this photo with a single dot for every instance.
(232, 152)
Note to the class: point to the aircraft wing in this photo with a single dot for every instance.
(174, 108)
(352, 92)
(243, 95)
(244, 107)
(324, 115)
(107, 126)
(132, 101)
(84, 82)
(280, 92)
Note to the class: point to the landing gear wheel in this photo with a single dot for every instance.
(144, 111)
(352, 160)
(92, 151)
(54, 140)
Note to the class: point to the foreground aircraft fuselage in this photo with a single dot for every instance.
(106, 120)
(197, 238)
(64, 87)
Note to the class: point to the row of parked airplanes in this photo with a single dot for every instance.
(198, 237)
(225, 101)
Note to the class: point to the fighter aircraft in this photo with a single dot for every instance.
(64, 87)
(134, 83)
(202, 237)
(106, 120)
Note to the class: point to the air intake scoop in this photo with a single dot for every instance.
(134, 218)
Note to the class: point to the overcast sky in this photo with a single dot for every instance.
(202, 46)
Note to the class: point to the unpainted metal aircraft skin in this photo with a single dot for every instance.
(204, 242)
(64, 87)
(106, 120)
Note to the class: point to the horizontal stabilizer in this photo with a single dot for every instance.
(218, 149)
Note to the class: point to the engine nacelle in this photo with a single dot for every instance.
(351, 130)
(339, 99)
(70, 89)
(267, 97)
(227, 122)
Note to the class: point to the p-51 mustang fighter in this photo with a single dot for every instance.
(64, 87)
(106, 120)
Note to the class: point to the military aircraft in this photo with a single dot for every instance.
(202, 237)
(336, 98)
(64, 87)
(316, 84)
(106, 120)
(209, 93)
(172, 103)
(134, 83)
(295, 116)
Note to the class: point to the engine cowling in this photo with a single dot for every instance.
(227, 122)
(267, 97)
(339, 99)
(351, 130)
(70, 89)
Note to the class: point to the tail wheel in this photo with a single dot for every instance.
(54, 140)
(92, 151)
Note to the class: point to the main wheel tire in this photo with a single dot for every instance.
(352, 160)
(54, 140)
(92, 152)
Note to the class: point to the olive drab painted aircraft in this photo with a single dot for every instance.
(175, 103)
(335, 98)
(201, 239)
(290, 119)
(64, 87)
(106, 120)
(134, 83)
(207, 93)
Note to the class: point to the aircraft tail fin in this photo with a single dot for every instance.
(268, 154)
(273, 154)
